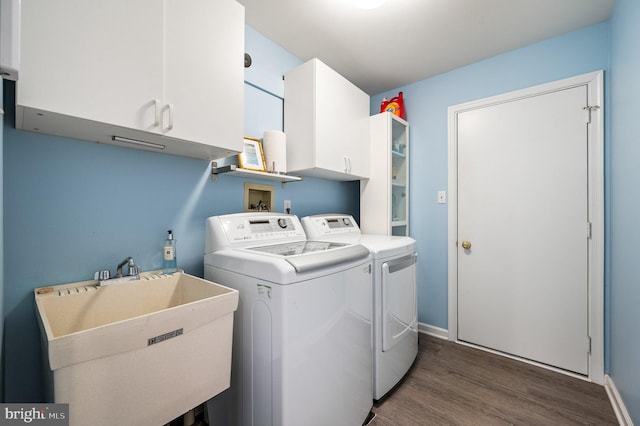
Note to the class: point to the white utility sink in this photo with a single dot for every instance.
(136, 353)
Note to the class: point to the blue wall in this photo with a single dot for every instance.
(426, 104)
(625, 205)
(74, 207)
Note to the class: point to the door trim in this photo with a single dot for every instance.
(595, 136)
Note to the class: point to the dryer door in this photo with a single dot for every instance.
(399, 309)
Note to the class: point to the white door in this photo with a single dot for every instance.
(523, 208)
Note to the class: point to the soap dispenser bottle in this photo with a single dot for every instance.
(169, 265)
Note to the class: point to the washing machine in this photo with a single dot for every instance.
(302, 331)
(395, 316)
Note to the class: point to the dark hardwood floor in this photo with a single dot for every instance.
(452, 384)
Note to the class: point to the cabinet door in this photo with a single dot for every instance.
(92, 59)
(342, 124)
(204, 72)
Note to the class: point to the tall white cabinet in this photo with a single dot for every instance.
(384, 197)
(160, 72)
(326, 119)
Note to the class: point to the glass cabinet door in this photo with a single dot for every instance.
(399, 177)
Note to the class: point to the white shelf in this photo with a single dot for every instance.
(233, 170)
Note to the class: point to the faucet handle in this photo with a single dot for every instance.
(134, 270)
(102, 275)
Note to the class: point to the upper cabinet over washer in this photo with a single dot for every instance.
(326, 119)
(158, 75)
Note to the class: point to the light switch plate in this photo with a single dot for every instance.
(442, 197)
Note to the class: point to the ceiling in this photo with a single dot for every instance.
(405, 41)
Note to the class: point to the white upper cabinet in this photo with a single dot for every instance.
(163, 73)
(326, 120)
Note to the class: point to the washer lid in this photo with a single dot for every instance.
(309, 255)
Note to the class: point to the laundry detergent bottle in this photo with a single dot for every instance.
(169, 260)
(395, 106)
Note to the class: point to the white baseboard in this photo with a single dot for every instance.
(616, 402)
(434, 331)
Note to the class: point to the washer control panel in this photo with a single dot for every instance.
(241, 230)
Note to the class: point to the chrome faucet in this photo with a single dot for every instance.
(133, 269)
(133, 273)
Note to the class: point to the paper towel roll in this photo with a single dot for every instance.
(274, 146)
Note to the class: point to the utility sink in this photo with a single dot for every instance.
(137, 353)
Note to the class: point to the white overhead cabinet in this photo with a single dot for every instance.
(384, 197)
(163, 73)
(326, 120)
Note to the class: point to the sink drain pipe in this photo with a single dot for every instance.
(189, 418)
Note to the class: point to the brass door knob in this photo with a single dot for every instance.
(466, 245)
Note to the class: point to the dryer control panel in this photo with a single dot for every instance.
(319, 226)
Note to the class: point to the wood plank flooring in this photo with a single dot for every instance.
(452, 384)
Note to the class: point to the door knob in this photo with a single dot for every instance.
(466, 245)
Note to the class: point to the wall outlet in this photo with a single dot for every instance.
(442, 197)
(287, 206)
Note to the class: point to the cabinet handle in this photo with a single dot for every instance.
(156, 113)
(168, 107)
(346, 164)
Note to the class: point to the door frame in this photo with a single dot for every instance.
(595, 136)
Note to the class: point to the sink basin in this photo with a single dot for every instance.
(137, 353)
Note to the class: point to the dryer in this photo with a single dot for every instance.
(302, 331)
(395, 316)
